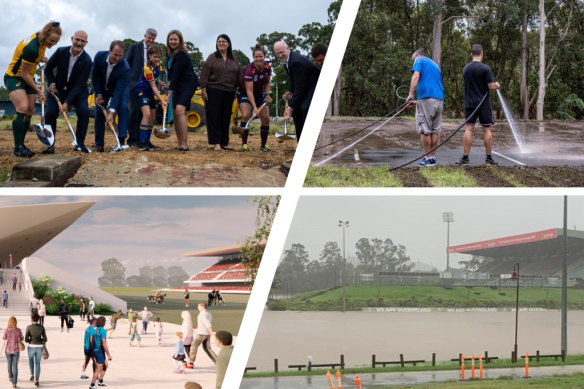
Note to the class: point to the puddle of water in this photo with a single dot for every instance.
(551, 143)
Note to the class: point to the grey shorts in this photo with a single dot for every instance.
(429, 116)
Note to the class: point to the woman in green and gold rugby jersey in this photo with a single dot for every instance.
(19, 79)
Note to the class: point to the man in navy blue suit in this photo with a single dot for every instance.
(136, 57)
(73, 66)
(111, 77)
(303, 76)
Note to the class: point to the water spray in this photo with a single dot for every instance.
(511, 122)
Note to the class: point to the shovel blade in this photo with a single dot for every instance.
(45, 134)
(237, 129)
(281, 137)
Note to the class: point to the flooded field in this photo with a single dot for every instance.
(294, 336)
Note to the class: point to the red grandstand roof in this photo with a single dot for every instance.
(506, 241)
(219, 251)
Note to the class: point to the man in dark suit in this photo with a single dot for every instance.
(111, 77)
(136, 57)
(303, 76)
(73, 66)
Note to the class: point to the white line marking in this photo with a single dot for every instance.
(509, 158)
(360, 139)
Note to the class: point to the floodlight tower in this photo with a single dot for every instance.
(515, 277)
(344, 225)
(447, 217)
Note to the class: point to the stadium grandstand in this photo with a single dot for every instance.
(227, 274)
(539, 255)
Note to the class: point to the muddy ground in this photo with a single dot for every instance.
(549, 154)
(198, 167)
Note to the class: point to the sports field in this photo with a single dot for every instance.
(360, 296)
(225, 317)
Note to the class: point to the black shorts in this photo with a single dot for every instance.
(146, 101)
(182, 97)
(259, 99)
(484, 114)
(180, 357)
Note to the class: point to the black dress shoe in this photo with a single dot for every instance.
(82, 148)
(98, 148)
(49, 150)
(226, 148)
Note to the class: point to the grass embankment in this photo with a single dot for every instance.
(359, 296)
(225, 317)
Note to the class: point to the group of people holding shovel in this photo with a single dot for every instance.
(427, 82)
(131, 89)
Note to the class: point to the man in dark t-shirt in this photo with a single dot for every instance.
(478, 82)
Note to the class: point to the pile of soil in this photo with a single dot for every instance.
(200, 166)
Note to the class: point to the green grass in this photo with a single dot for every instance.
(448, 176)
(351, 177)
(359, 296)
(4, 174)
(227, 317)
(444, 366)
(509, 177)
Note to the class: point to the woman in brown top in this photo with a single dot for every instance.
(220, 79)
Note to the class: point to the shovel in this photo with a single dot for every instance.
(282, 136)
(240, 130)
(254, 116)
(74, 143)
(117, 148)
(44, 132)
(163, 132)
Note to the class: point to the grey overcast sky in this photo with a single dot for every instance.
(199, 21)
(416, 221)
(143, 231)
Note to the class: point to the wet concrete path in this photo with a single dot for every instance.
(400, 379)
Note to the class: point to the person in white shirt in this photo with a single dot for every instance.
(203, 332)
(145, 315)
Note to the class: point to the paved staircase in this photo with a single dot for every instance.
(18, 301)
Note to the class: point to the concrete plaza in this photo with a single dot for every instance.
(149, 366)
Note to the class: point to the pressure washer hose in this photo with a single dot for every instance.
(362, 129)
(445, 140)
(375, 122)
(403, 107)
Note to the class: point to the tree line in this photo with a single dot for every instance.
(534, 47)
(298, 273)
(114, 275)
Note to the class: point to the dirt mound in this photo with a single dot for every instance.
(200, 166)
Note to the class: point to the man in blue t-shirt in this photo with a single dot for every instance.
(427, 82)
(100, 350)
(87, 347)
(478, 82)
